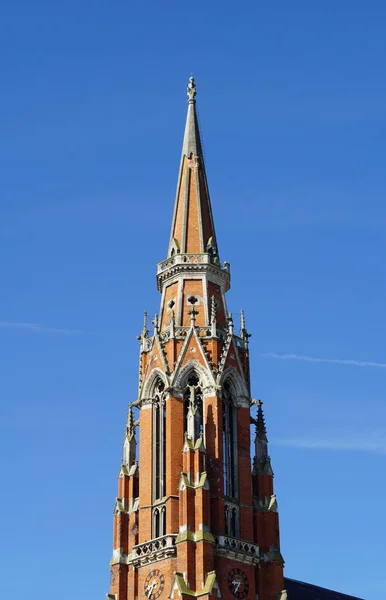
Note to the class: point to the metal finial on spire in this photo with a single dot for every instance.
(191, 91)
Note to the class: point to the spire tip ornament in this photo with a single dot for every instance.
(191, 91)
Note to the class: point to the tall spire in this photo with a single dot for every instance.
(192, 228)
(192, 140)
(261, 429)
(261, 459)
(189, 514)
(192, 272)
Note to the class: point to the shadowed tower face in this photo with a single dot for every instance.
(193, 516)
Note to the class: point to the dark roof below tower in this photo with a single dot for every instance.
(298, 590)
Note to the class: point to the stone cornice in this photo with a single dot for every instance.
(195, 536)
(181, 265)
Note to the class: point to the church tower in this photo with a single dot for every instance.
(195, 516)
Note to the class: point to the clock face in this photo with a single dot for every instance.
(154, 584)
(238, 583)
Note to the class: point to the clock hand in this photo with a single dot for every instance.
(150, 588)
(237, 585)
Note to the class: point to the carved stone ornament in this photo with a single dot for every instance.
(191, 91)
(144, 402)
(209, 391)
(242, 401)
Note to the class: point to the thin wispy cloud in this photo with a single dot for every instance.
(333, 361)
(374, 443)
(35, 327)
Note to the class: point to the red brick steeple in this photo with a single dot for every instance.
(192, 519)
(192, 227)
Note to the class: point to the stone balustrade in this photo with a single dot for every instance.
(157, 549)
(237, 549)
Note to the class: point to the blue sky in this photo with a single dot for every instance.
(291, 97)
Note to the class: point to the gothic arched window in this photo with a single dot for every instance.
(163, 521)
(156, 523)
(232, 519)
(159, 441)
(193, 408)
(229, 442)
(159, 521)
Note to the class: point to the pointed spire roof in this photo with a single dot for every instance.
(129, 445)
(192, 228)
(130, 423)
(260, 422)
(192, 140)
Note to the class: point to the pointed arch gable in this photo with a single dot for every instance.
(193, 348)
(182, 360)
(194, 366)
(238, 384)
(150, 383)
